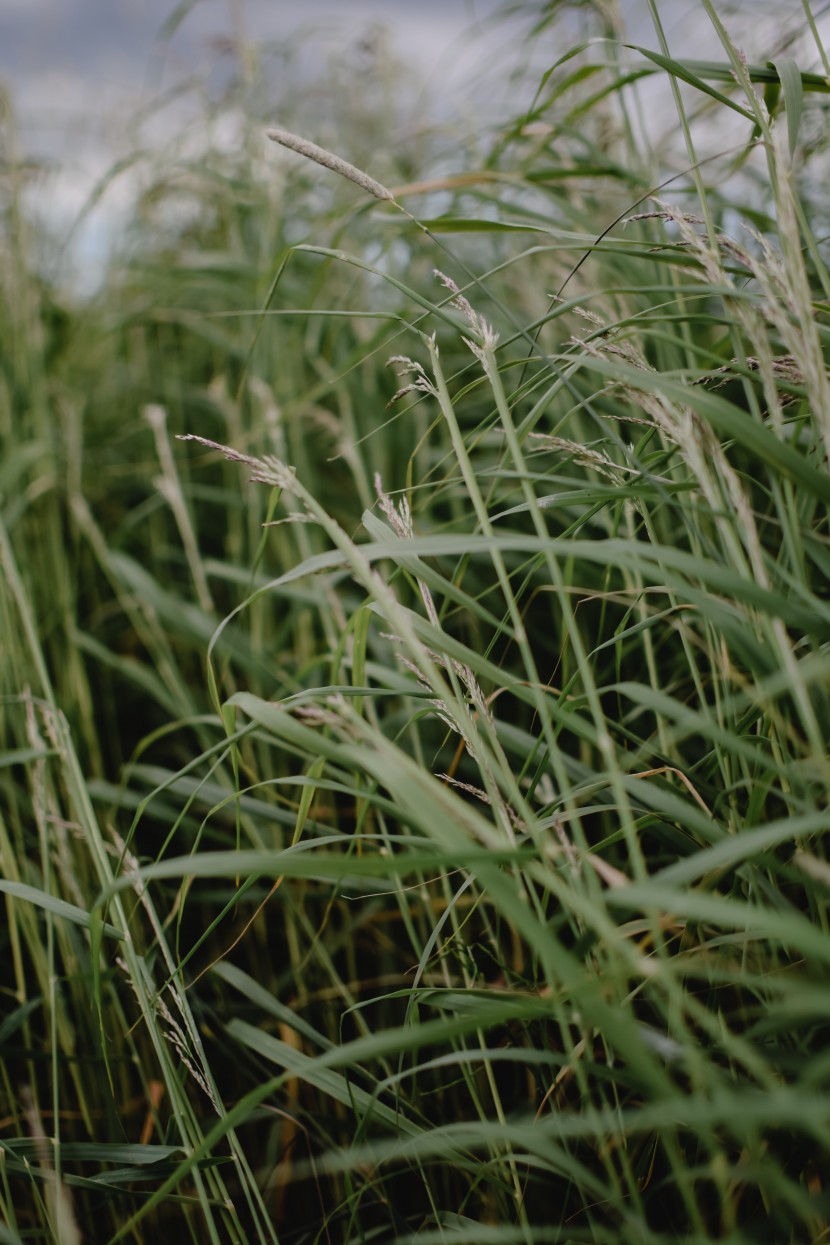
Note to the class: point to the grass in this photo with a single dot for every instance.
(414, 792)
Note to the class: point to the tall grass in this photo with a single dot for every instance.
(414, 795)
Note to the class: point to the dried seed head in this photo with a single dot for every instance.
(330, 161)
(267, 469)
(400, 516)
(488, 338)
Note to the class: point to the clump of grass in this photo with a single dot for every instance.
(480, 889)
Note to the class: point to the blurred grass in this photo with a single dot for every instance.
(413, 817)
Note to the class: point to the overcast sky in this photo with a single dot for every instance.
(59, 55)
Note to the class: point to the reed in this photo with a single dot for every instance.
(413, 803)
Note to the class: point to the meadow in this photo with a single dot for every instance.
(414, 675)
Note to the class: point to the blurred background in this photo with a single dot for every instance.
(93, 91)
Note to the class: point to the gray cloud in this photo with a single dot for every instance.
(95, 38)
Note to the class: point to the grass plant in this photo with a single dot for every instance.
(414, 671)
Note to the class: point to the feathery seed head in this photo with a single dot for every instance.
(330, 161)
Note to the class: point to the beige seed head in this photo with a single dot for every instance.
(330, 161)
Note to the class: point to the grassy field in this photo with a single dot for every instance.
(414, 782)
